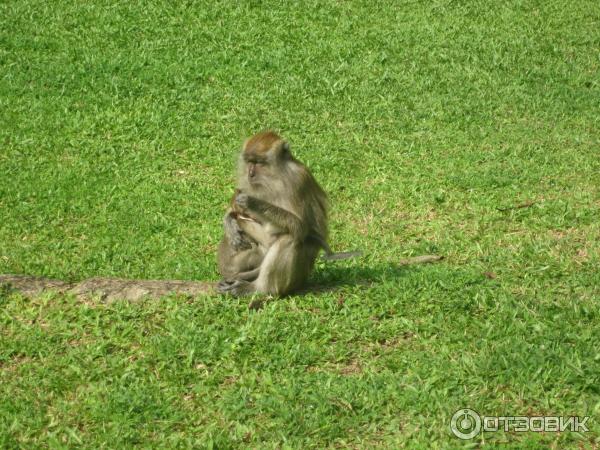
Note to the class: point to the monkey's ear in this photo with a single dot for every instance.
(285, 147)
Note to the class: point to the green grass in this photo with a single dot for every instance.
(119, 125)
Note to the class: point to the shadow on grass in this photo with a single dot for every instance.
(331, 278)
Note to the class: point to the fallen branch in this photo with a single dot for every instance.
(109, 289)
(106, 289)
(420, 259)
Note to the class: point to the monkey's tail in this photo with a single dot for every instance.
(341, 255)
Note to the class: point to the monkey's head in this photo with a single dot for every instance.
(264, 158)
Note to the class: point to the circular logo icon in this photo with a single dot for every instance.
(465, 424)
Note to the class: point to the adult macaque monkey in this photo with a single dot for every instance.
(277, 223)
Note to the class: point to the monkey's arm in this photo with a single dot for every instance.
(267, 212)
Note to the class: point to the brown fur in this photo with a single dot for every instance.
(261, 143)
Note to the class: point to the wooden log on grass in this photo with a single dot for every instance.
(109, 289)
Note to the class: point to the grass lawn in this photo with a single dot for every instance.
(428, 123)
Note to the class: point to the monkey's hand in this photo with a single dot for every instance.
(236, 237)
(242, 204)
(243, 201)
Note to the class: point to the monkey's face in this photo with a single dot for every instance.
(263, 159)
(256, 170)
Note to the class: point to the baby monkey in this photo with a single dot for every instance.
(277, 222)
(239, 256)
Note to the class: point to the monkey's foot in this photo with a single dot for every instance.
(234, 287)
(223, 284)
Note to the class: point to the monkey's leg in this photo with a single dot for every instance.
(286, 266)
(249, 275)
(277, 263)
